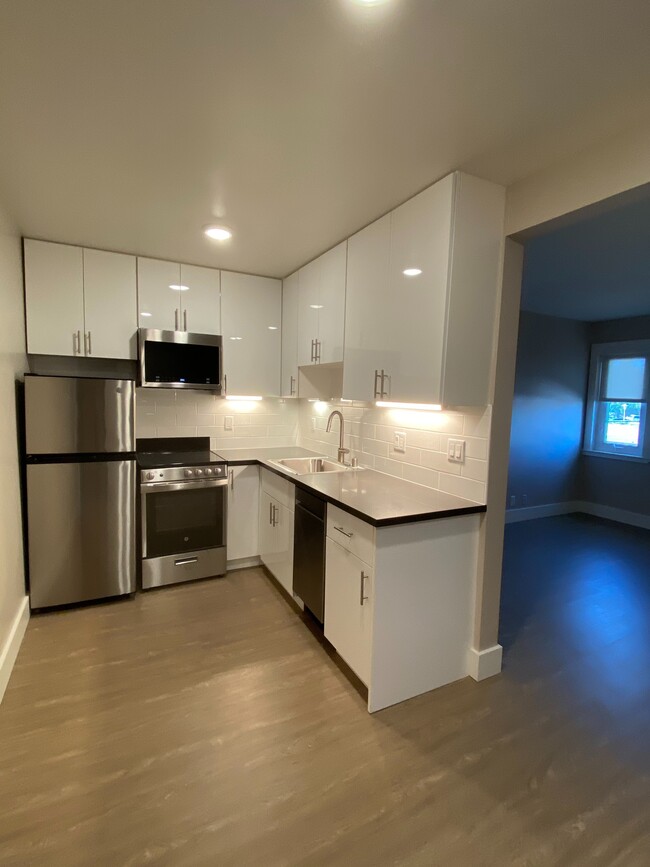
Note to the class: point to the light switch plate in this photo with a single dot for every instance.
(399, 442)
(456, 451)
(228, 422)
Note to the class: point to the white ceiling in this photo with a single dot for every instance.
(129, 124)
(596, 268)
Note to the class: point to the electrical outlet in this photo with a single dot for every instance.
(228, 422)
(524, 499)
(513, 501)
(399, 442)
(456, 451)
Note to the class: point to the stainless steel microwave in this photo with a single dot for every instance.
(178, 359)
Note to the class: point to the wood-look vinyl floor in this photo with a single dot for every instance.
(204, 725)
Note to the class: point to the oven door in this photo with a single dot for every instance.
(178, 517)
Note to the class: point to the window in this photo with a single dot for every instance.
(619, 385)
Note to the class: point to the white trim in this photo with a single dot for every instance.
(635, 519)
(242, 563)
(482, 664)
(530, 513)
(12, 644)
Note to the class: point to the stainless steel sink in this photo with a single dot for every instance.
(307, 466)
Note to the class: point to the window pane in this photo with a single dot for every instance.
(625, 378)
(622, 422)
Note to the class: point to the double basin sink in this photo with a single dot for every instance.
(309, 466)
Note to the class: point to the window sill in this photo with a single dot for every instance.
(612, 457)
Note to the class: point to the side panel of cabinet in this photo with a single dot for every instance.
(110, 304)
(331, 315)
(160, 300)
(290, 288)
(243, 512)
(369, 315)
(201, 299)
(54, 298)
(251, 309)
(348, 608)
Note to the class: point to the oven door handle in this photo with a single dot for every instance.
(157, 487)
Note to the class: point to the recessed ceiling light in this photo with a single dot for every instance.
(273, 327)
(236, 338)
(178, 287)
(143, 313)
(412, 272)
(316, 306)
(218, 233)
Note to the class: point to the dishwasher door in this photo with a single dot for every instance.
(309, 553)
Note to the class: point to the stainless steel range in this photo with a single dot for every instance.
(183, 496)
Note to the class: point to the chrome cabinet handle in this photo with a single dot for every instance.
(271, 514)
(176, 319)
(341, 530)
(313, 351)
(292, 389)
(225, 384)
(76, 342)
(318, 346)
(184, 320)
(231, 473)
(362, 597)
(89, 350)
(376, 390)
(385, 392)
(275, 517)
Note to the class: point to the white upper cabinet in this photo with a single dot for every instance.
(331, 312)
(321, 308)
(110, 305)
(421, 296)
(54, 299)
(159, 296)
(200, 299)
(290, 287)
(251, 313)
(308, 308)
(79, 302)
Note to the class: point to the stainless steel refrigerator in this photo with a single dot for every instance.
(80, 468)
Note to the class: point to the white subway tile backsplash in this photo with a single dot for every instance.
(467, 488)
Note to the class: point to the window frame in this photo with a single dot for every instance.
(595, 413)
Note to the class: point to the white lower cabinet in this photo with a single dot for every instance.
(348, 608)
(243, 506)
(276, 521)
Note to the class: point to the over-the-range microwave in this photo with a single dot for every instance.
(178, 359)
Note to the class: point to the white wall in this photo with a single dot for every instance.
(370, 433)
(13, 602)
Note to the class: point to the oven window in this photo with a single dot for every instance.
(182, 362)
(181, 521)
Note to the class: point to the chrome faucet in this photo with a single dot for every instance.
(342, 451)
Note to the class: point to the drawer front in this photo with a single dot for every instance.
(351, 533)
(280, 489)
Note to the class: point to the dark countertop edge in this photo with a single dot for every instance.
(416, 517)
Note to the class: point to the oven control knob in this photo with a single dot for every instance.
(189, 474)
(151, 475)
(198, 472)
(208, 471)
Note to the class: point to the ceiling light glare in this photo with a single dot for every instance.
(412, 272)
(218, 233)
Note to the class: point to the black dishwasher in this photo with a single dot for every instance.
(309, 552)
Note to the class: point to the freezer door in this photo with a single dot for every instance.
(67, 415)
(81, 529)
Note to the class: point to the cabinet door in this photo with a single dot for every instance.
(110, 305)
(54, 298)
(369, 310)
(308, 310)
(201, 299)
(243, 508)
(420, 239)
(348, 608)
(331, 315)
(160, 293)
(251, 310)
(283, 565)
(290, 336)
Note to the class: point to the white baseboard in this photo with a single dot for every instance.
(635, 519)
(243, 563)
(549, 510)
(9, 651)
(482, 664)
(530, 513)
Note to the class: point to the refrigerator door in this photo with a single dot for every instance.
(67, 415)
(81, 527)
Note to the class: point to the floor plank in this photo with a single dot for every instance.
(204, 725)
